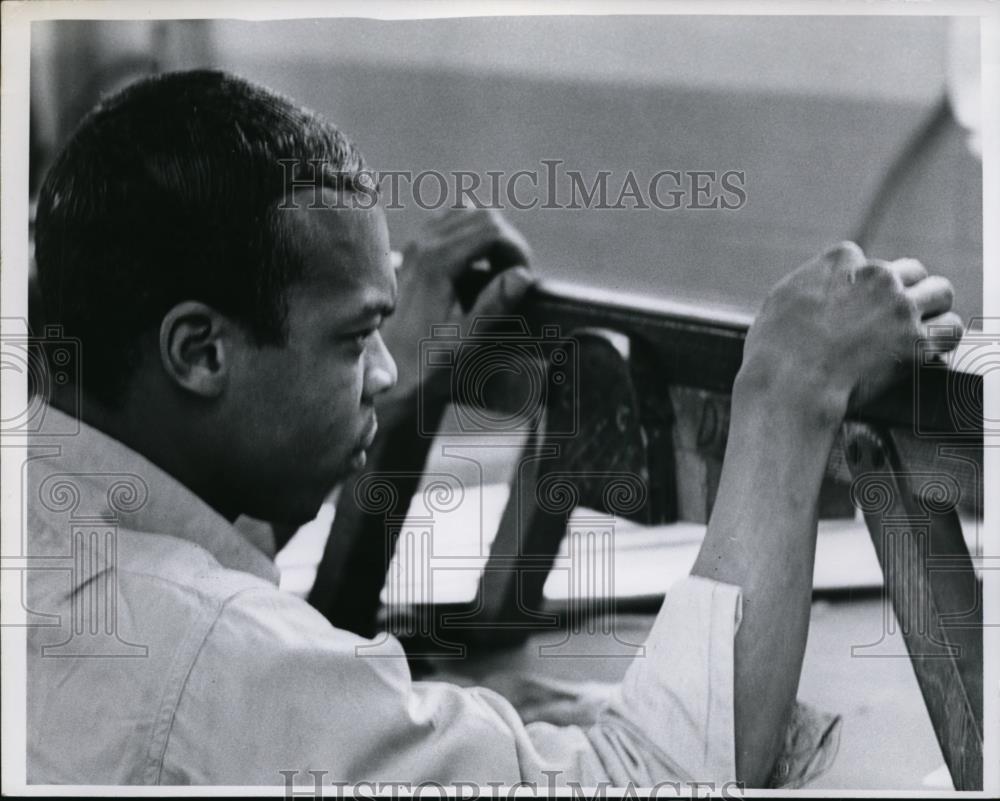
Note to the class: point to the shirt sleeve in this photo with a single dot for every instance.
(276, 692)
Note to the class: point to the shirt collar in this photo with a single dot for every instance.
(113, 480)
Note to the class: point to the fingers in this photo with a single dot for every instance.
(932, 296)
(452, 220)
(463, 236)
(909, 271)
(849, 257)
(503, 293)
(488, 235)
(942, 333)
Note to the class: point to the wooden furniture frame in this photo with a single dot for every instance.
(628, 416)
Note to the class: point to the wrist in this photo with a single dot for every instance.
(801, 394)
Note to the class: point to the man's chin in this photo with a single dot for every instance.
(302, 506)
(294, 519)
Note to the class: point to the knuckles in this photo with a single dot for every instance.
(493, 216)
(847, 309)
(917, 267)
(903, 307)
(845, 254)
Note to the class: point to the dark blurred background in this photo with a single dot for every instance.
(841, 125)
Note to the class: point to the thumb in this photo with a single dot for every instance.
(504, 293)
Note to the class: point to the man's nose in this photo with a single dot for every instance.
(380, 372)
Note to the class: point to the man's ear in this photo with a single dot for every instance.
(196, 348)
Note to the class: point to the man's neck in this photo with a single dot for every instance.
(150, 434)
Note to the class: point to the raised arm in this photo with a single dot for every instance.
(836, 329)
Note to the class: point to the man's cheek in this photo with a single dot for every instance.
(353, 385)
(341, 400)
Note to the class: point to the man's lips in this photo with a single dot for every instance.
(369, 436)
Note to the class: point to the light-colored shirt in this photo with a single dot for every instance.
(170, 656)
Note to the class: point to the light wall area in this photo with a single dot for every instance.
(813, 110)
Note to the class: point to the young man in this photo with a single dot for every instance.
(232, 362)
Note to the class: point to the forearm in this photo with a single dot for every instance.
(762, 538)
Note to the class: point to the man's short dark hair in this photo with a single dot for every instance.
(169, 191)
